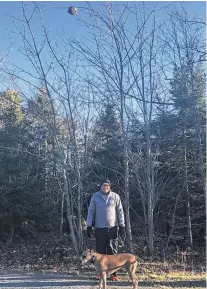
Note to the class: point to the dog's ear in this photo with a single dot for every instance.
(90, 249)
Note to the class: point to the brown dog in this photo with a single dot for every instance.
(108, 264)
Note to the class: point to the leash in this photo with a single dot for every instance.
(93, 259)
(122, 244)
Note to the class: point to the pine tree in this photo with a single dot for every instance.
(107, 148)
(180, 148)
(21, 180)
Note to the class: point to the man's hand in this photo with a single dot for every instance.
(89, 231)
(122, 231)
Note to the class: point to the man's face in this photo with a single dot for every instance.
(105, 188)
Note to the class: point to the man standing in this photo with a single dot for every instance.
(106, 210)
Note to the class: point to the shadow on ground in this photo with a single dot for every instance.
(39, 281)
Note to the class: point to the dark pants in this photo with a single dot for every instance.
(107, 241)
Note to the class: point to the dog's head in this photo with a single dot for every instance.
(87, 256)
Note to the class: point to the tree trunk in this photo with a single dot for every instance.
(126, 180)
(143, 199)
(69, 213)
(126, 188)
(11, 233)
(61, 213)
(150, 188)
(188, 215)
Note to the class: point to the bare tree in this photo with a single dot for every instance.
(185, 48)
(125, 60)
(57, 78)
(122, 62)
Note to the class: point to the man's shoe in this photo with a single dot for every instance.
(114, 278)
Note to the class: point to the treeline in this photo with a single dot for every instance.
(124, 119)
(32, 185)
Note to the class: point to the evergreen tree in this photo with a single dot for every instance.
(21, 176)
(107, 148)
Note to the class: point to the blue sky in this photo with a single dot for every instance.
(57, 19)
(56, 16)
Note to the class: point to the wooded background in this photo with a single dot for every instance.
(128, 103)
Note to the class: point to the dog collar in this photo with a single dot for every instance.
(93, 259)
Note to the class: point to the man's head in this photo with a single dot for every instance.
(106, 186)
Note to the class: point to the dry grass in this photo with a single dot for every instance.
(173, 276)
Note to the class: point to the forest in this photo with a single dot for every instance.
(127, 103)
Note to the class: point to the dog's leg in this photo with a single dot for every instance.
(102, 280)
(135, 283)
(131, 268)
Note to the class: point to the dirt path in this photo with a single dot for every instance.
(57, 281)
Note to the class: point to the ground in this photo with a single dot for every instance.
(23, 280)
(53, 265)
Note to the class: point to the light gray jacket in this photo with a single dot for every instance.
(107, 210)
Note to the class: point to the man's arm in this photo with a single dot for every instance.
(91, 212)
(120, 213)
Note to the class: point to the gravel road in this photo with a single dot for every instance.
(57, 281)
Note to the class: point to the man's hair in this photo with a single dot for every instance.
(106, 181)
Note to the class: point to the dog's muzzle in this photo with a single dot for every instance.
(84, 261)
